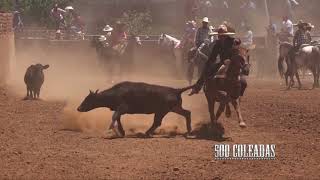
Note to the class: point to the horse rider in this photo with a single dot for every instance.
(223, 47)
(287, 28)
(189, 33)
(204, 47)
(119, 38)
(202, 32)
(300, 36)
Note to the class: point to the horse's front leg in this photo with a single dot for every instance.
(211, 103)
(236, 105)
(190, 72)
(314, 73)
(298, 79)
(222, 98)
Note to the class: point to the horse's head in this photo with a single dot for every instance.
(161, 39)
(137, 40)
(244, 52)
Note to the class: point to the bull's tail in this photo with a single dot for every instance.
(280, 66)
(181, 90)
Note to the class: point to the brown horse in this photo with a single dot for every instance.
(218, 90)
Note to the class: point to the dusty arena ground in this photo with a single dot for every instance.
(35, 144)
(48, 139)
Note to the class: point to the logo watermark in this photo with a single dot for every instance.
(244, 151)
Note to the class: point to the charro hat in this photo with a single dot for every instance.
(301, 24)
(69, 8)
(107, 28)
(205, 19)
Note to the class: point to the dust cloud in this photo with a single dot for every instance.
(74, 71)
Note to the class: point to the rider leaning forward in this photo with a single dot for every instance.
(226, 47)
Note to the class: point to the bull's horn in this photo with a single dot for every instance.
(91, 92)
(97, 91)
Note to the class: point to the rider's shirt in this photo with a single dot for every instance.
(299, 38)
(287, 27)
(201, 35)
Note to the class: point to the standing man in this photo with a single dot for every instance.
(202, 32)
(248, 38)
(57, 14)
(287, 28)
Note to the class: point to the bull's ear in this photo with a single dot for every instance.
(97, 91)
(45, 67)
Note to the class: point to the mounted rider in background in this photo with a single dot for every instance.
(187, 42)
(189, 34)
(202, 32)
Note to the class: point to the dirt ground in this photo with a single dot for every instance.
(35, 143)
(48, 139)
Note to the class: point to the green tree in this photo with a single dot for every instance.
(6, 5)
(137, 22)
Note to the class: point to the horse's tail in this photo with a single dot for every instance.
(280, 66)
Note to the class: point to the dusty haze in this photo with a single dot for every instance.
(75, 71)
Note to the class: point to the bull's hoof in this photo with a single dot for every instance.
(242, 124)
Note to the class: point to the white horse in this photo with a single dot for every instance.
(170, 46)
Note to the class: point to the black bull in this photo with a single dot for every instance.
(34, 78)
(138, 98)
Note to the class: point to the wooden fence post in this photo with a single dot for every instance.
(6, 45)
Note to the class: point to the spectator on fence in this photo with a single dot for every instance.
(58, 16)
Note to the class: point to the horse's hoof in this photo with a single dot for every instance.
(242, 124)
(147, 136)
